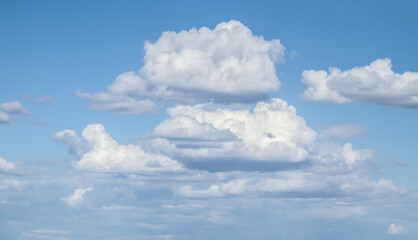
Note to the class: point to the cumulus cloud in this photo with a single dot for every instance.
(4, 118)
(14, 108)
(6, 166)
(395, 229)
(97, 151)
(75, 199)
(272, 131)
(376, 83)
(225, 65)
(341, 131)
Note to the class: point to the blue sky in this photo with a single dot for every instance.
(212, 119)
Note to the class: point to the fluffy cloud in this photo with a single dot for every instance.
(75, 199)
(395, 229)
(97, 151)
(14, 108)
(375, 83)
(6, 166)
(4, 118)
(225, 65)
(272, 131)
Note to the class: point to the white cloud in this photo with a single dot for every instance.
(395, 229)
(272, 131)
(99, 152)
(6, 166)
(225, 65)
(14, 108)
(375, 83)
(341, 131)
(75, 199)
(333, 156)
(43, 99)
(4, 118)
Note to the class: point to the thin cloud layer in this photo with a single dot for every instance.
(97, 151)
(375, 83)
(225, 65)
(341, 131)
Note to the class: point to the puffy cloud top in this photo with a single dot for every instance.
(375, 83)
(225, 65)
(229, 56)
(272, 131)
(99, 152)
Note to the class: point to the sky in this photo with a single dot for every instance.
(208, 120)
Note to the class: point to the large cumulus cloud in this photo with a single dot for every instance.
(225, 65)
(272, 131)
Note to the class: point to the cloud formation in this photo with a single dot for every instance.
(272, 131)
(375, 83)
(6, 166)
(75, 199)
(395, 229)
(14, 108)
(4, 118)
(225, 65)
(11, 108)
(97, 151)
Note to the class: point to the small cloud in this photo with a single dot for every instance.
(6, 166)
(294, 54)
(399, 163)
(76, 198)
(14, 108)
(43, 99)
(395, 229)
(4, 118)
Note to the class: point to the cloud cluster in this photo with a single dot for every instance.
(97, 151)
(11, 108)
(272, 131)
(376, 83)
(225, 65)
